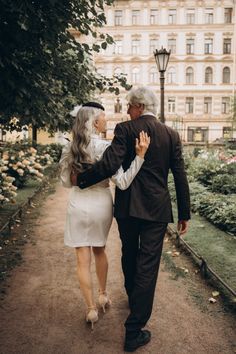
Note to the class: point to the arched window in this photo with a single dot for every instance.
(171, 75)
(153, 75)
(226, 75)
(189, 75)
(208, 75)
(136, 75)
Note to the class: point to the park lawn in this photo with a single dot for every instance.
(217, 247)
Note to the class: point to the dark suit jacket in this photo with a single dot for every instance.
(148, 196)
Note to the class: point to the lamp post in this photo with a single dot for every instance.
(162, 58)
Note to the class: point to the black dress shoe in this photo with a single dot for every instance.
(142, 338)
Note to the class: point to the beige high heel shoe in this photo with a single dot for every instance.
(104, 300)
(92, 315)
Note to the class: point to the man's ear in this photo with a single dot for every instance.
(141, 107)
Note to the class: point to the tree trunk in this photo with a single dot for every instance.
(34, 135)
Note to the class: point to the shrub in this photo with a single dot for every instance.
(7, 189)
(225, 184)
(217, 208)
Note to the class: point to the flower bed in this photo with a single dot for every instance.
(217, 170)
(212, 182)
(19, 162)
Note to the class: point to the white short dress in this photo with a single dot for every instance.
(90, 211)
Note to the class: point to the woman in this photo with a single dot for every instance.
(90, 210)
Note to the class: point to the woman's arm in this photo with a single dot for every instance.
(65, 171)
(124, 179)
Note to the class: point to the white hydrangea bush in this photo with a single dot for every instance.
(7, 189)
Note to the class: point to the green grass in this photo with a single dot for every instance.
(214, 245)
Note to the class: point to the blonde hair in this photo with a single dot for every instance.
(81, 132)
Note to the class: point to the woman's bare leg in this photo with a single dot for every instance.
(101, 267)
(84, 274)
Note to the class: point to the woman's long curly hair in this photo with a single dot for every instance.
(81, 132)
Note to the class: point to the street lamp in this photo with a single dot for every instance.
(162, 58)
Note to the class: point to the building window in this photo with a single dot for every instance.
(171, 104)
(154, 17)
(197, 134)
(208, 75)
(172, 17)
(226, 75)
(118, 17)
(208, 45)
(207, 105)
(190, 16)
(225, 108)
(228, 15)
(135, 76)
(209, 16)
(153, 75)
(190, 45)
(172, 45)
(118, 47)
(135, 46)
(171, 76)
(153, 45)
(189, 105)
(135, 17)
(227, 132)
(189, 75)
(227, 46)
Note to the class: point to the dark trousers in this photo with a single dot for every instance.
(142, 242)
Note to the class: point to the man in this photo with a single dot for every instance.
(144, 209)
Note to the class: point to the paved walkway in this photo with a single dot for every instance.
(43, 311)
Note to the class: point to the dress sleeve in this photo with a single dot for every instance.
(64, 166)
(124, 179)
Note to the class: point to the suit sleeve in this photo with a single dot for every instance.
(180, 179)
(111, 160)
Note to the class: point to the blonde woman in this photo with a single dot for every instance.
(90, 211)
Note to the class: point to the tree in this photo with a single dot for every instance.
(44, 71)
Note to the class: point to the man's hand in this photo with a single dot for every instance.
(73, 178)
(182, 226)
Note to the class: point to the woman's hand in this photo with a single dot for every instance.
(142, 144)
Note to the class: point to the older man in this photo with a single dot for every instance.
(144, 209)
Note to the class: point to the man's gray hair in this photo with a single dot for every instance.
(145, 96)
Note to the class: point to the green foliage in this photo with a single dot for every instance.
(225, 184)
(217, 208)
(53, 150)
(211, 175)
(213, 171)
(44, 71)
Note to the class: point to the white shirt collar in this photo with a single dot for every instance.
(149, 114)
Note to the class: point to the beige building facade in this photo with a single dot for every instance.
(200, 81)
(201, 74)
